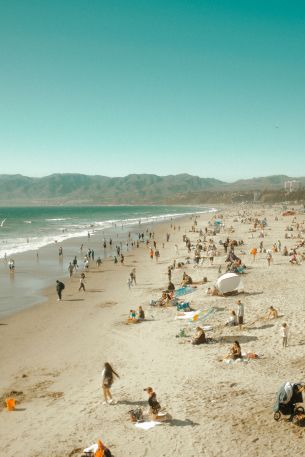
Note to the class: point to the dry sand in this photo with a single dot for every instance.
(52, 355)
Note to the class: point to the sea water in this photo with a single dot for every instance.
(25, 229)
(32, 236)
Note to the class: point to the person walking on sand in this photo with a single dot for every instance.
(240, 313)
(70, 269)
(284, 333)
(253, 252)
(59, 288)
(82, 282)
(74, 262)
(269, 258)
(133, 277)
(108, 374)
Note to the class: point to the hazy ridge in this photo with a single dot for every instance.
(72, 189)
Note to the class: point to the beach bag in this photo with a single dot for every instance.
(136, 415)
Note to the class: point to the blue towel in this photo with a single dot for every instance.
(183, 291)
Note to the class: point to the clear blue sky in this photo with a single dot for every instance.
(213, 88)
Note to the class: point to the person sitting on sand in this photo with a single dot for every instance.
(272, 313)
(293, 259)
(235, 352)
(107, 381)
(186, 280)
(141, 314)
(199, 337)
(154, 406)
(132, 314)
(285, 251)
(232, 319)
(165, 299)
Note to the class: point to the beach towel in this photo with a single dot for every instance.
(147, 425)
(183, 291)
(187, 315)
(202, 315)
(92, 448)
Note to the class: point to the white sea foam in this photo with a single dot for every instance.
(18, 245)
(55, 219)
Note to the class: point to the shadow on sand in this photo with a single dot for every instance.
(180, 423)
(132, 403)
(240, 338)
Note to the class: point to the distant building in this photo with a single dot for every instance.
(256, 196)
(291, 186)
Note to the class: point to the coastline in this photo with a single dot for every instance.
(54, 353)
(36, 270)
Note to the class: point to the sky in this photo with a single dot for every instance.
(212, 88)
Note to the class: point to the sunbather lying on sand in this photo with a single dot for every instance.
(165, 300)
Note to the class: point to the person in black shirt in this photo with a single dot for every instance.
(59, 288)
(154, 405)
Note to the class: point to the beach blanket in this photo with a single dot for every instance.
(202, 315)
(92, 448)
(232, 362)
(187, 315)
(147, 425)
(183, 291)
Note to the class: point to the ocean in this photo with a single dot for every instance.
(32, 236)
(30, 228)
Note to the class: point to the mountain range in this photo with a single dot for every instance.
(79, 189)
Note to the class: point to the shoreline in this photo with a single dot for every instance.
(34, 273)
(54, 355)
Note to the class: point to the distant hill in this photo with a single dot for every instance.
(78, 189)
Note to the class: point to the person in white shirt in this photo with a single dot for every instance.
(284, 333)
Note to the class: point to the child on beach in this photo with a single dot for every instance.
(82, 282)
(108, 374)
(284, 333)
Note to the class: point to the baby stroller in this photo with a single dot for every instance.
(287, 400)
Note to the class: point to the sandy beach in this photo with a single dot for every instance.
(52, 354)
